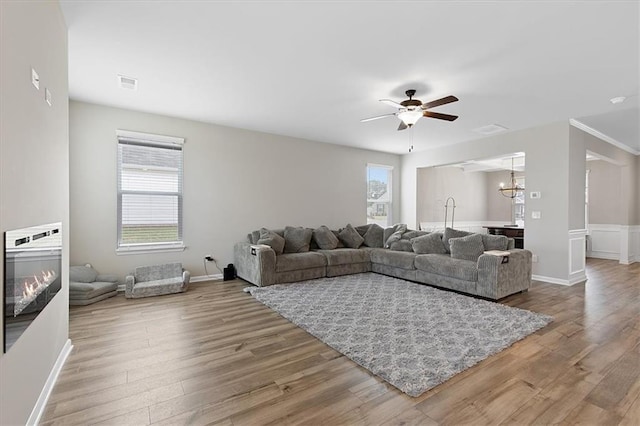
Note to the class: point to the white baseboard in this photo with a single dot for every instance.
(41, 403)
(603, 255)
(202, 278)
(552, 280)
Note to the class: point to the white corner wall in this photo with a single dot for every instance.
(34, 187)
(235, 181)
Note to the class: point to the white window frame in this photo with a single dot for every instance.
(149, 139)
(389, 190)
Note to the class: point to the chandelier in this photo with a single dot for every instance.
(514, 189)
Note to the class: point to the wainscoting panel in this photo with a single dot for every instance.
(577, 255)
(615, 242)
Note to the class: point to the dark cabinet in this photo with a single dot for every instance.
(516, 233)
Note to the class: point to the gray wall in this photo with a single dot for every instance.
(34, 181)
(235, 181)
(436, 184)
(498, 206)
(604, 192)
(629, 172)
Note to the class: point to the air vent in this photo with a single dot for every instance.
(490, 129)
(127, 82)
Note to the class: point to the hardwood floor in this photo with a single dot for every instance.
(216, 355)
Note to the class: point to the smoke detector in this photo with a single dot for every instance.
(490, 129)
(129, 83)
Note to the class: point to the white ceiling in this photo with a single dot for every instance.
(313, 69)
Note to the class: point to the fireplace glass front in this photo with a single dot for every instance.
(32, 266)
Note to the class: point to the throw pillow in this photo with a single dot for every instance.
(413, 234)
(495, 242)
(467, 248)
(82, 274)
(273, 240)
(397, 235)
(402, 245)
(373, 237)
(429, 244)
(452, 233)
(325, 239)
(350, 237)
(362, 229)
(297, 239)
(255, 236)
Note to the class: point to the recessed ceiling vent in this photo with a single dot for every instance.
(490, 129)
(129, 83)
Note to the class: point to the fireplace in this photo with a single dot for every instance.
(32, 266)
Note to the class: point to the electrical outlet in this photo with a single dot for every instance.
(534, 258)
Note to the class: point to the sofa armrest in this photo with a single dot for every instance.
(128, 286)
(256, 264)
(497, 279)
(186, 277)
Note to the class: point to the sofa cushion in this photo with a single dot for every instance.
(396, 259)
(297, 239)
(350, 237)
(374, 237)
(344, 256)
(397, 234)
(297, 261)
(325, 239)
(273, 240)
(495, 242)
(443, 264)
(80, 290)
(402, 245)
(452, 233)
(430, 243)
(82, 274)
(467, 248)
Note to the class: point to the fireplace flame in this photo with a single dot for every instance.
(33, 289)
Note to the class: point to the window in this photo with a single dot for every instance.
(518, 204)
(149, 192)
(379, 194)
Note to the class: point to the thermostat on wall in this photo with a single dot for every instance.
(534, 194)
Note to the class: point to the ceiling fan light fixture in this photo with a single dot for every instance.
(410, 117)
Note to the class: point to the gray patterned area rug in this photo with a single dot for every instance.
(411, 335)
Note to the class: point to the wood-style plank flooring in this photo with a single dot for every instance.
(214, 355)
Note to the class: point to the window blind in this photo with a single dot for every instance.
(149, 191)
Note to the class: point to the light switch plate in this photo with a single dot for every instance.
(535, 215)
(534, 194)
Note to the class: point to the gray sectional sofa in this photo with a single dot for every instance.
(454, 260)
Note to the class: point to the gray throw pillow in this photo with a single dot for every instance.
(413, 234)
(362, 229)
(495, 242)
(273, 240)
(297, 239)
(467, 248)
(429, 244)
(402, 245)
(337, 234)
(397, 235)
(452, 233)
(350, 237)
(255, 236)
(325, 239)
(374, 236)
(82, 274)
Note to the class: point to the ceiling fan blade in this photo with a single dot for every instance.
(377, 117)
(391, 103)
(439, 116)
(438, 102)
(402, 126)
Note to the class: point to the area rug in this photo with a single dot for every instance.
(411, 335)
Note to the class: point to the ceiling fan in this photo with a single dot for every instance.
(410, 110)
